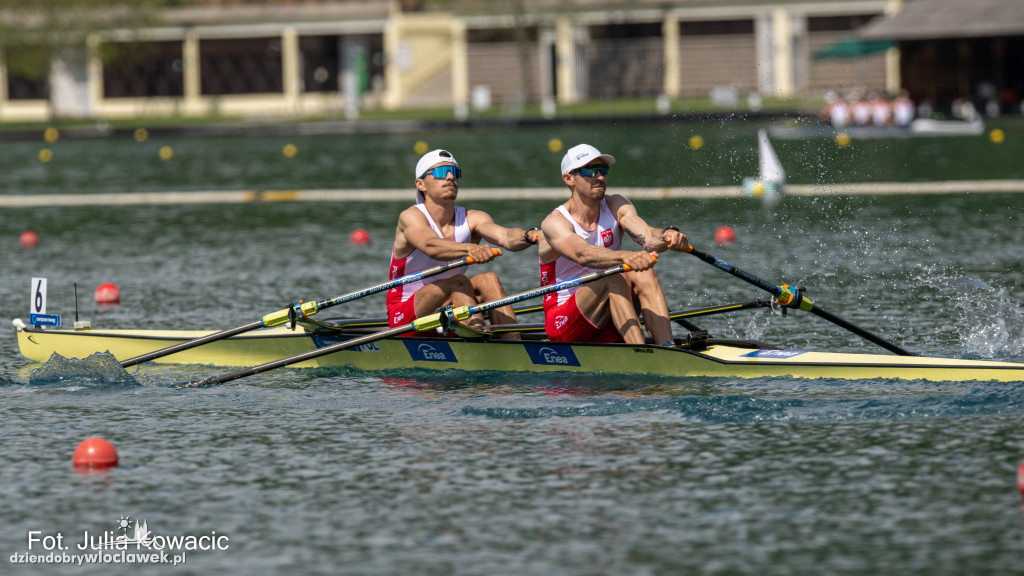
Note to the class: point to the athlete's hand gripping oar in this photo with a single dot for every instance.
(789, 298)
(300, 309)
(444, 318)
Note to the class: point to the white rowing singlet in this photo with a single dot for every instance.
(418, 261)
(607, 234)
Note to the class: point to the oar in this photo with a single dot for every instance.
(299, 309)
(794, 299)
(442, 319)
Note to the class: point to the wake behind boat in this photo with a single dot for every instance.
(696, 355)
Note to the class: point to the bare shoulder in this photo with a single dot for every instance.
(617, 201)
(554, 220)
(477, 217)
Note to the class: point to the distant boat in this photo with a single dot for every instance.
(921, 127)
(929, 127)
(771, 176)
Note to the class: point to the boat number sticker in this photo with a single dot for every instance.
(778, 354)
(38, 296)
(552, 355)
(324, 340)
(430, 351)
(37, 315)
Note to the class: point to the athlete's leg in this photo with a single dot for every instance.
(456, 291)
(610, 300)
(488, 288)
(647, 289)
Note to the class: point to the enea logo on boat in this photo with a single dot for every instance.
(324, 340)
(430, 351)
(552, 355)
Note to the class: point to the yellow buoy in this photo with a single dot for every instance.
(843, 139)
(141, 134)
(757, 190)
(45, 155)
(555, 145)
(51, 135)
(996, 136)
(290, 151)
(166, 153)
(420, 147)
(696, 142)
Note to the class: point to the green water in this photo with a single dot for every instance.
(575, 474)
(649, 155)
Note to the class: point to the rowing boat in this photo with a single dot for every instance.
(696, 355)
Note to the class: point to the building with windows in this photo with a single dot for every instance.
(290, 58)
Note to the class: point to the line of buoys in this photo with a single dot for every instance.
(94, 452)
(108, 293)
(29, 239)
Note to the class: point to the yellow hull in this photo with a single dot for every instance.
(730, 360)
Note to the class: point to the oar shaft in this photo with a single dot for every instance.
(305, 308)
(302, 357)
(865, 334)
(543, 290)
(778, 291)
(190, 344)
(420, 324)
(723, 265)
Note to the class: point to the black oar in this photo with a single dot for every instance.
(794, 299)
(300, 309)
(440, 319)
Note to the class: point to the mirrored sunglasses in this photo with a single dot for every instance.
(443, 171)
(591, 171)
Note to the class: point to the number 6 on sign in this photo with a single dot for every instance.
(38, 296)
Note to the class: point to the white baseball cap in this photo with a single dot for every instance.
(429, 159)
(581, 155)
(433, 157)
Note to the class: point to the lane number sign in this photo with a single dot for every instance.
(37, 312)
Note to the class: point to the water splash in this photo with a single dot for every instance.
(98, 370)
(991, 320)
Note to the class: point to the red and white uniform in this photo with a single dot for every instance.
(400, 298)
(563, 320)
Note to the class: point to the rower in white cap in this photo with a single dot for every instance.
(435, 231)
(583, 235)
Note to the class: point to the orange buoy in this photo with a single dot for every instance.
(725, 235)
(108, 293)
(359, 236)
(29, 239)
(94, 452)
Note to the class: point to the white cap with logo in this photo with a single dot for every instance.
(429, 159)
(581, 155)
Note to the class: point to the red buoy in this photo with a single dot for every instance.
(108, 293)
(359, 236)
(725, 235)
(29, 239)
(1020, 478)
(94, 452)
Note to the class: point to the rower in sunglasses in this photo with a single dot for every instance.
(583, 235)
(435, 231)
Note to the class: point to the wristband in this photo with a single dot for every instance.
(526, 236)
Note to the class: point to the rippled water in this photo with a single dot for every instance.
(413, 473)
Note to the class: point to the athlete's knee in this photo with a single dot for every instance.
(488, 284)
(645, 282)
